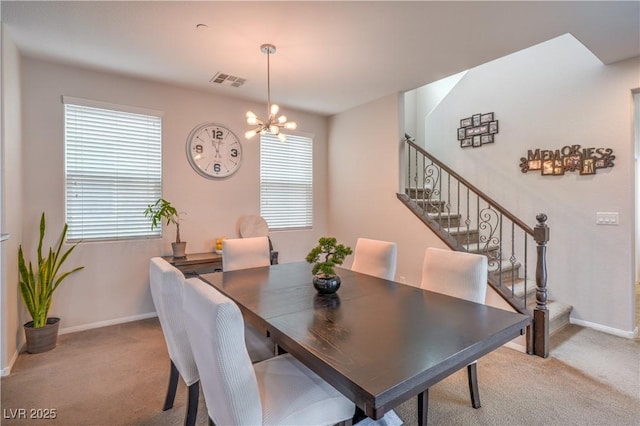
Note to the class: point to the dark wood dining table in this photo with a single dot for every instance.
(378, 342)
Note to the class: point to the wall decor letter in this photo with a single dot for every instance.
(570, 158)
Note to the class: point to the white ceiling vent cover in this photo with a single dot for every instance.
(227, 80)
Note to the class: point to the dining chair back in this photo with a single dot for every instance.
(277, 391)
(375, 257)
(243, 253)
(166, 284)
(455, 273)
(462, 275)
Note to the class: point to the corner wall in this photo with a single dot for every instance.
(113, 287)
(364, 148)
(11, 203)
(549, 96)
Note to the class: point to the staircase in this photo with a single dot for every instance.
(468, 220)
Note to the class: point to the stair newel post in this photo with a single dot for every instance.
(541, 313)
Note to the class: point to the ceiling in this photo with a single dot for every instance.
(331, 56)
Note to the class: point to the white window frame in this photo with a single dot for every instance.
(113, 170)
(286, 181)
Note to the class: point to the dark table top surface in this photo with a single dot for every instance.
(377, 341)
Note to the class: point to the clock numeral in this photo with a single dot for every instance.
(217, 168)
(198, 149)
(217, 134)
(234, 152)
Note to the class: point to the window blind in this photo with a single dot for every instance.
(113, 170)
(286, 181)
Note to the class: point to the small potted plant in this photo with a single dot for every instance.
(325, 279)
(37, 288)
(163, 210)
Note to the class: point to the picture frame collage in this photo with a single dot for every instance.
(477, 130)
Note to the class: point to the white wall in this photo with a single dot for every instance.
(636, 109)
(364, 145)
(11, 205)
(425, 99)
(364, 178)
(114, 284)
(549, 96)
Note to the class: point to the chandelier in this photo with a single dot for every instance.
(273, 123)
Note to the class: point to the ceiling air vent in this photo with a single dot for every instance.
(227, 80)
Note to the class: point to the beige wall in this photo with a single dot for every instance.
(11, 195)
(363, 181)
(549, 96)
(113, 286)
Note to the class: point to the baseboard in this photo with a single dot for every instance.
(106, 323)
(609, 330)
(7, 370)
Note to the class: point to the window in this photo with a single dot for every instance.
(286, 181)
(113, 170)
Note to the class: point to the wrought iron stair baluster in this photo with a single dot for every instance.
(432, 181)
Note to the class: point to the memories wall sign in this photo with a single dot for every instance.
(570, 158)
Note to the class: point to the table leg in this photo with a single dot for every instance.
(472, 374)
(423, 407)
(358, 415)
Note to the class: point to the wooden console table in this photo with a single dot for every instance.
(197, 263)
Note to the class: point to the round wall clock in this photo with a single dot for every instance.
(213, 150)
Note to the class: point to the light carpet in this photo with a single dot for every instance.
(117, 375)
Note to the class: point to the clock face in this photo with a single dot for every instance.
(213, 150)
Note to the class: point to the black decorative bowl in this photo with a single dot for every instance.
(326, 285)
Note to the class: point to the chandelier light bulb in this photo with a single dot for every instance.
(282, 119)
(291, 125)
(274, 109)
(252, 119)
(282, 137)
(250, 134)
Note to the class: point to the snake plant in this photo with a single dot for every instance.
(37, 288)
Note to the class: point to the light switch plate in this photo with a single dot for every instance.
(606, 218)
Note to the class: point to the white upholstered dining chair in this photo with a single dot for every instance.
(375, 257)
(166, 282)
(243, 253)
(167, 286)
(278, 391)
(462, 275)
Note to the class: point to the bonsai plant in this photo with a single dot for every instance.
(37, 288)
(324, 257)
(163, 210)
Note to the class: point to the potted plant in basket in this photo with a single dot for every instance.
(37, 288)
(163, 210)
(325, 279)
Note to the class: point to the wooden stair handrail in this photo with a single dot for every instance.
(488, 199)
(538, 332)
